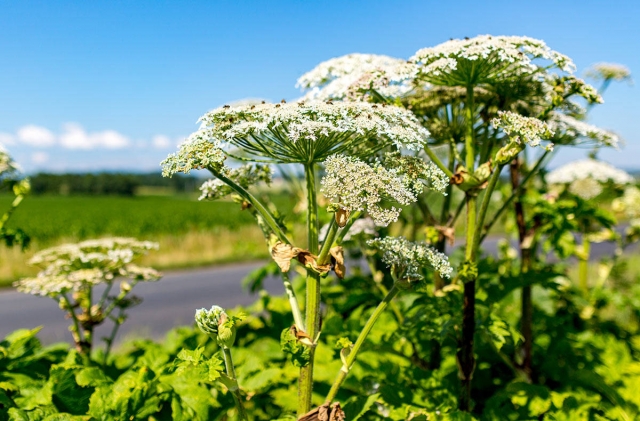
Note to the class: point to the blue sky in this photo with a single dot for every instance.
(93, 85)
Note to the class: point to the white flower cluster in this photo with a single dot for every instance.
(200, 151)
(522, 129)
(361, 227)
(407, 258)
(344, 77)
(494, 57)
(244, 176)
(73, 267)
(571, 127)
(416, 172)
(355, 185)
(609, 71)
(584, 178)
(277, 130)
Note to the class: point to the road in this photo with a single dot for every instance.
(168, 303)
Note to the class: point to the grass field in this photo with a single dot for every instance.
(190, 233)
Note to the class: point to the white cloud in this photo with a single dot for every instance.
(36, 136)
(39, 157)
(161, 142)
(7, 139)
(75, 137)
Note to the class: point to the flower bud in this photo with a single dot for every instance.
(217, 324)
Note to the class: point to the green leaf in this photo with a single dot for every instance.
(356, 406)
(92, 376)
(297, 352)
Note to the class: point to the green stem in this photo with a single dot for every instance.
(9, 212)
(235, 391)
(438, 161)
(514, 194)
(293, 302)
(266, 215)
(75, 328)
(583, 265)
(466, 359)
(344, 371)
(484, 206)
(116, 326)
(377, 279)
(305, 383)
(323, 256)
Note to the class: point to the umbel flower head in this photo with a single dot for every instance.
(345, 77)
(354, 185)
(216, 323)
(629, 203)
(308, 132)
(570, 130)
(585, 178)
(407, 258)
(200, 151)
(484, 59)
(75, 267)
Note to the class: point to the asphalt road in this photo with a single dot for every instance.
(168, 303)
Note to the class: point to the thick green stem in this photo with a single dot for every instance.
(583, 264)
(466, 359)
(344, 371)
(235, 391)
(266, 215)
(75, 328)
(305, 383)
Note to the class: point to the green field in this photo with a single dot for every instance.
(190, 233)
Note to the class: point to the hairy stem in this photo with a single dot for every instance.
(344, 371)
(305, 383)
(466, 359)
(235, 391)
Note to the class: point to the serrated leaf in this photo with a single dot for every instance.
(355, 407)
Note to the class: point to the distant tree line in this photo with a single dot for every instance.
(108, 183)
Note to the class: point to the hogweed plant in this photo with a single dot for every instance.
(71, 275)
(347, 141)
(484, 100)
(452, 118)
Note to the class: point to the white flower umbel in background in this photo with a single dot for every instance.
(346, 77)
(585, 178)
(609, 71)
(576, 132)
(244, 176)
(70, 272)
